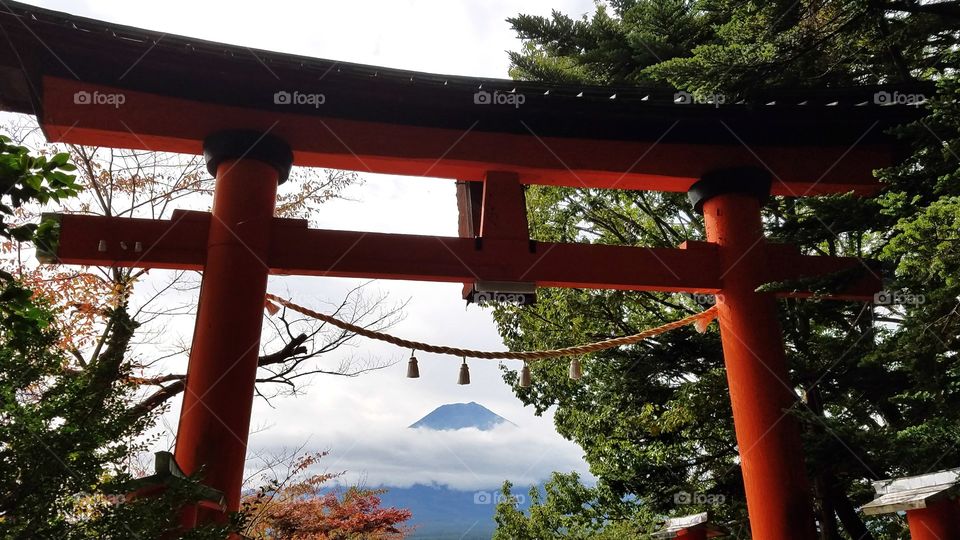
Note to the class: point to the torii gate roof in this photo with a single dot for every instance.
(178, 90)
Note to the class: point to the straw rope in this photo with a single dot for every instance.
(701, 319)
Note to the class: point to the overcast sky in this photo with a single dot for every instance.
(362, 421)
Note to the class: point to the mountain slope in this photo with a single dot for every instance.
(461, 416)
(440, 513)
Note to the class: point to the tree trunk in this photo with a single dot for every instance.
(830, 498)
(852, 523)
(826, 522)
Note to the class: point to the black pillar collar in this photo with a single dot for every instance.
(243, 144)
(746, 180)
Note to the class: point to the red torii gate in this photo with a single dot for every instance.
(240, 108)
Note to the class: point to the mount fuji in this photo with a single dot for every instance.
(453, 416)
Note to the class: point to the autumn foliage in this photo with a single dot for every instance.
(300, 507)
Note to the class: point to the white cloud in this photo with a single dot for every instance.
(374, 446)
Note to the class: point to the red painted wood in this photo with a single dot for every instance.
(777, 490)
(144, 121)
(504, 210)
(217, 401)
(694, 533)
(179, 243)
(938, 521)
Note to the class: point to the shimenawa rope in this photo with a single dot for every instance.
(701, 319)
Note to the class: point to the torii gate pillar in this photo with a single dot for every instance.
(930, 501)
(937, 521)
(217, 401)
(692, 534)
(774, 476)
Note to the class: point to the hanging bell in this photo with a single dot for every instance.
(413, 370)
(464, 373)
(575, 370)
(525, 375)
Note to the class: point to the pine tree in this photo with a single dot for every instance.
(877, 386)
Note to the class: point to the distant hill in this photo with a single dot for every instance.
(440, 513)
(461, 416)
